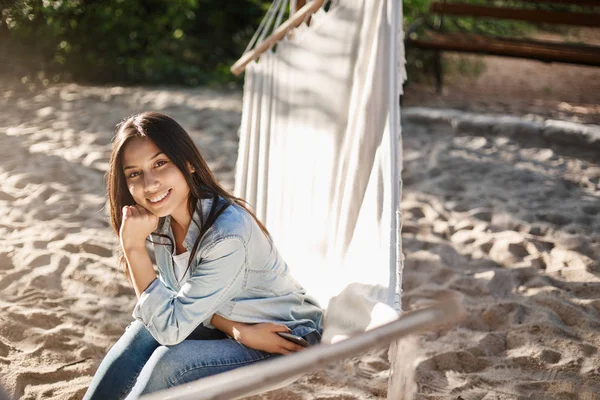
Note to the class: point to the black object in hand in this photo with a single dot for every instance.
(293, 338)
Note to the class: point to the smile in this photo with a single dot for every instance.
(159, 198)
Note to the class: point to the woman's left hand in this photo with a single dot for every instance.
(137, 223)
(264, 337)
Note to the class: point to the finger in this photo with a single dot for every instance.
(125, 212)
(284, 351)
(289, 346)
(128, 211)
(148, 214)
(144, 211)
(279, 328)
(133, 212)
(141, 210)
(298, 347)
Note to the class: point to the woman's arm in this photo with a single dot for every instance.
(258, 336)
(219, 277)
(170, 315)
(140, 268)
(137, 224)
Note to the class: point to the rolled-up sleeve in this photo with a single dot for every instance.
(171, 316)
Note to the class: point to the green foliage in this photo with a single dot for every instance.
(126, 41)
(412, 9)
(165, 41)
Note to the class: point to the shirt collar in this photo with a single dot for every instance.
(194, 229)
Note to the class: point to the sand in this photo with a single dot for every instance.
(512, 225)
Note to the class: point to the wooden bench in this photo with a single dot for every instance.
(587, 14)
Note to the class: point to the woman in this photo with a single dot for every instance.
(221, 291)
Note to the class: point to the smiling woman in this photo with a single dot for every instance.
(221, 291)
(154, 182)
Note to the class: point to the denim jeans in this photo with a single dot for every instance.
(137, 364)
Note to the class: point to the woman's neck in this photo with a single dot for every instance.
(180, 224)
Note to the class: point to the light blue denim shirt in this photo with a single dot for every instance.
(236, 273)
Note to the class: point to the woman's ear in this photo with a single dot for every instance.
(190, 168)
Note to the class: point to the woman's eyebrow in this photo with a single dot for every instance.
(154, 156)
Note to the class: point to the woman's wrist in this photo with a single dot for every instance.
(231, 328)
(133, 248)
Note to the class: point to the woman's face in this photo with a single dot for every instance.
(153, 180)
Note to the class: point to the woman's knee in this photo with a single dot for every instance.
(159, 370)
(137, 332)
(120, 367)
(134, 346)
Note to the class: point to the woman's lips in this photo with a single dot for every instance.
(161, 201)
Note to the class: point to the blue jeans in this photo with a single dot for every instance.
(137, 364)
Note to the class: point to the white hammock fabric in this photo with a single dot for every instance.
(320, 160)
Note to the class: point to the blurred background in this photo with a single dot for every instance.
(194, 42)
(189, 42)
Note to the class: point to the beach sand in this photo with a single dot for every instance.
(511, 225)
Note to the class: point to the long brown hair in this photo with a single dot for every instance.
(179, 147)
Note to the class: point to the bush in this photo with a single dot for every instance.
(159, 41)
(126, 41)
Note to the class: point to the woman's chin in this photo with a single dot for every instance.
(160, 213)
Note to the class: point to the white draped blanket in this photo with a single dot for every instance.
(320, 158)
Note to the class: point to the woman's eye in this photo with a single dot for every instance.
(133, 175)
(160, 163)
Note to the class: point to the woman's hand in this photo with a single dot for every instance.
(264, 337)
(137, 223)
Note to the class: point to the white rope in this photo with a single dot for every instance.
(280, 15)
(262, 28)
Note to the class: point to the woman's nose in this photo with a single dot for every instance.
(151, 182)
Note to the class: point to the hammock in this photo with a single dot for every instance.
(319, 160)
(318, 157)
